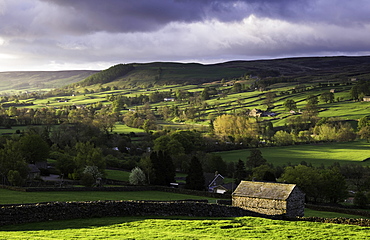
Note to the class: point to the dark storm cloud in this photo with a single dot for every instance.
(65, 34)
(149, 15)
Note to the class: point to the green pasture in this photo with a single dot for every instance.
(117, 175)
(314, 213)
(16, 197)
(346, 110)
(182, 228)
(5, 131)
(122, 128)
(124, 176)
(316, 154)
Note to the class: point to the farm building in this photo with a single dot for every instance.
(366, 99)
(269, 198)
(213, 180)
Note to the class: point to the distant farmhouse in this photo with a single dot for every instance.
(366, 99)
(169, 99)
(269, 198)
(259, 113)
(214, 182)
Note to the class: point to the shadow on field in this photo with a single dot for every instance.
(93, 223)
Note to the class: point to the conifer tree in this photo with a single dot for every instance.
(240, 172)
(255, 159)
(195, 179)
(162, 167)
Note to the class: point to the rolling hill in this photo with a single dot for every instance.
(291, 69)
(38, 80)
(308, 69)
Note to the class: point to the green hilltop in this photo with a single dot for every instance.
(283, 70)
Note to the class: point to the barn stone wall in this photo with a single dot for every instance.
(260, 205)
(295, 204)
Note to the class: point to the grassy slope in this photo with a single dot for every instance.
(33, 81)
(182, 228)
(302, 69)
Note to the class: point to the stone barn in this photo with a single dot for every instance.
(269, 198)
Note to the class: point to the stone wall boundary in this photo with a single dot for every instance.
(49, 211)
(41, 212)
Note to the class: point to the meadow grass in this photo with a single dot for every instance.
(122, 128)
(316, 154)
(117, 175)
(182, 228)
(13, 129)
(314, 213)
(16, 197)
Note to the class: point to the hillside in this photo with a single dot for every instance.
(38, 80)
(290, 69)
(302, 70)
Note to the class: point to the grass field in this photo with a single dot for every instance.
(122, 128)
(118, 175)
(182, 228)
(317, 154)
(313, 213)
(16, 197)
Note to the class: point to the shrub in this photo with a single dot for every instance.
(360, 200)
(137, 176)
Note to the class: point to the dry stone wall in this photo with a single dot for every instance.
(74, 210)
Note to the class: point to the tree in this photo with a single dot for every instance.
(325, 132)
(354, 92)
(333, 185)
(15, 178)
(205, 94)
(312, 99)
(310, 113)
(237, 88)
(306, 178)
(363, 122)
(255, 159)
(356, 175)
(195, 178)
(327, 97)
(214, 163)
(345, 133)
(91, 175)
(64, 163)
(240, 172)
(360, 200)
(12, 160)
(283, 138)
(162, 168)
(364, 133)
(238, 127)
(88, 155)
(33, 148)
(269, 100)
(290, 105)
(137, 176)
(264, 173)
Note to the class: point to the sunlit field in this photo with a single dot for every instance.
(316, 154)
(182, 228)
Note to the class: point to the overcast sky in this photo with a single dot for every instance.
(96, 34)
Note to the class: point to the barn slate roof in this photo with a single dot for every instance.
(265, 190)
